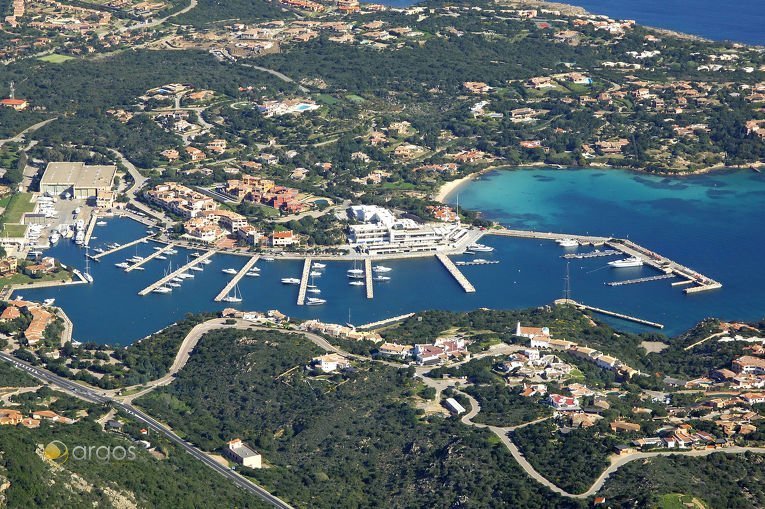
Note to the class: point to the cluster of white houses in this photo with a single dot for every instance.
(380, 232)
(440, 351)
(539, 337)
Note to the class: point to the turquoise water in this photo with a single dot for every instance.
(711, 223)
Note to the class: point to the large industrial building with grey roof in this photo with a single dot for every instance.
(78, 179)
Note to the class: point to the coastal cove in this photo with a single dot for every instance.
(740, 21)
(705, 222)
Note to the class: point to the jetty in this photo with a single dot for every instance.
(627, 247)
(664, 264)
(476, 262)
(386, 321)
(455, 272)
(527, 234)
(175, 273)
(234, 280)
(304, 281)
(368, 278)
(153, 255)
(120, 248)
(606, 312)
(598, 253)
(91, 226)
(641, 280)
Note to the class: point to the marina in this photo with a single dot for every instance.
(368, 278)
(598, 253)
(640, 280)
(120, 247)
(155, 254)
(304, 281)
(160, 283)
(455, 272)
(235, 280)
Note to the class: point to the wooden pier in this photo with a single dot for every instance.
(640, 280)
(606, 312)
(153, 255)
(175, 273)
(304, 281)
(234, 280)
(454, 271)
(368, 278)
(120, 248)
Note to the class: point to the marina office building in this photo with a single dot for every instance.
(81, 181)
(383, 233)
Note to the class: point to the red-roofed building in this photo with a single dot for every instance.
(16, 104)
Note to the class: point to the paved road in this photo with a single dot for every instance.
(157, 22)
(503, 433)
(279, 75)
(20, 137)
(87, 394)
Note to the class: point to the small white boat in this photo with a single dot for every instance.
(315, 273)
(314, 301)
(355, 271)
(252, 274)
(139, 268)
(185, 275)
(98, 249)
(381, 268)
(229, 271)
(317, 265)
(101, 223)
(567, 243)
(356, 276)
(177, 279)
(313, 290)
(207, 262)
(267, 259)
(163, 289)
(197, 268)
(290, 281)
(160, 257)
(174, 285)
(253, 269)
(122, 265)
(172, 251)
(381, 278)
(49, 302)
(356, 283)
(196, 254)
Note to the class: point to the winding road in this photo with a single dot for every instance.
(188, 344)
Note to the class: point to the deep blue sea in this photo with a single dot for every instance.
(712, 223)
(740, 20)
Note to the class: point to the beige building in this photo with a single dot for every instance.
(239, 452)
(80, 180)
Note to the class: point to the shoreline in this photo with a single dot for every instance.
(449, 187)
(576, 10)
